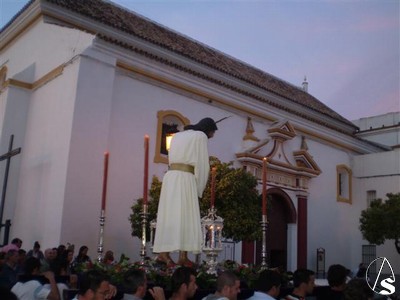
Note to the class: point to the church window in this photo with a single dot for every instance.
(169, 122)
(344, 176)
(371, 196)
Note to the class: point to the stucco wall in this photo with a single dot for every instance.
(31, 49)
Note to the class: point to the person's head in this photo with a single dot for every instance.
(55, 252)
(36, 246)
(135, 283)
(358, 289)
(49, 254)
(60, 250)
(21, 256)
(83, 251)
(183, 281)
(71, 247)
(108, 257)
(304, 280)
(68, 255)
(59, 266)
(32, 266)
(269, 282)
(17, 242)
(362, 271)
(12, 257)
(94, 285)
(228, 285)
(337, 275)
(206, 125)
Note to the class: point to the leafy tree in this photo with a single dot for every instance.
(236, 199)
(381, 221)
(136, 217)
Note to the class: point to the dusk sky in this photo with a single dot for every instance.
(348, 50)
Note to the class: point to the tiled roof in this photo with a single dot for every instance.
(132, 23)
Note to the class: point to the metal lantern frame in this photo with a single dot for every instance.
(212, 226)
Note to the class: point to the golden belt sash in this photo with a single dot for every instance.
(182, 167)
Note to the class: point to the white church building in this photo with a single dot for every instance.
(78, 78)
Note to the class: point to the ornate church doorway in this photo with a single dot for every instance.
(281, 212)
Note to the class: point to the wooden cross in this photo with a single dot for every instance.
(7, 156)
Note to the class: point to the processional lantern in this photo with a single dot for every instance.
(212, 226)
(153, 226)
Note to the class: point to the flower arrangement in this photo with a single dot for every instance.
(160, 274)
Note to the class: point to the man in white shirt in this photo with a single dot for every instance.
(32, 288)
(268, 286)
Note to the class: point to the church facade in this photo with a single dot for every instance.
(79, 78)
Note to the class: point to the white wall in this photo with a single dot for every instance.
(330, 223)
(31, 49)
(44, 162)
(89, 140)
(41, 121)
(383, 129)
(378, 121)
(379, 172)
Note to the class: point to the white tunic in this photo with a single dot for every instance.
(178, 217)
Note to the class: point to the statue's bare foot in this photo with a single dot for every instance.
(165, 258)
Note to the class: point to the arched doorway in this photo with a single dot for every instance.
(281, 212)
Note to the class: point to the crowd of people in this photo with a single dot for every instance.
(32, 275)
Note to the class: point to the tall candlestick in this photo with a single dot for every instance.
(146, 168)
(103, 198)
(264, 187)
(103, 208)
(213, 176)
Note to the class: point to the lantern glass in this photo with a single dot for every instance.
(212, 226)
(153, 226)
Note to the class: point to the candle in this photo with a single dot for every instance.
(146, 168)
(103, 198)
(213, 175)
(264, 187)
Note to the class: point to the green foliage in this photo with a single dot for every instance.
(236, 199)
(381, 221)
(136, 218)
(160, 274)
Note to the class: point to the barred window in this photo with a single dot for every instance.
(371, 196)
